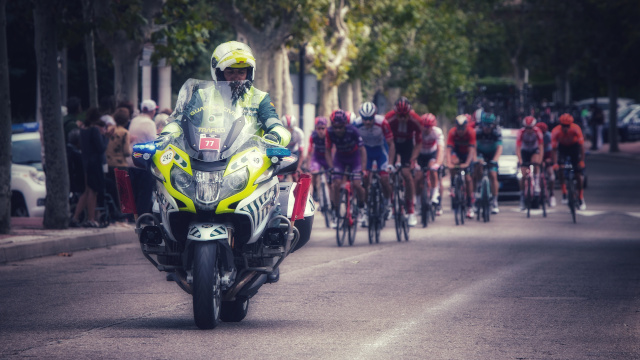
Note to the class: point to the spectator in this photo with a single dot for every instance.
(73, 119)
(118, 150)
(129, 105)
(597, 123)
(141, 130)
(161, 121)
(166, 111)
(93, 145)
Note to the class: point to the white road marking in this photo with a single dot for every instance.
(634, 214)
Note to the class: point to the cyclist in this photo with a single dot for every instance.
(349, 152)
(461, 149)
(377, 137)
(546, 158)
(431, 156)
(567, 140)
(296, 145)
(489, 144)
(316, 160)
(530, 150)
(405, 126)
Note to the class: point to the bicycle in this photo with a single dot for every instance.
(322, 193)
(458, 194)
(427, 207)
(572, 192)
(483, 197)
(401, 221)
(530, 197)
(347, 213)
(376, 207)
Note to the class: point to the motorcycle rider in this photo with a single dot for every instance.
(233, 61)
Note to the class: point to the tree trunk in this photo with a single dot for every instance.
(276, 81)
(5, 127)
(356, 85)
(89, 49)
(613, 112)
(345, 95)
(56, 214)
(287, 85)
(328, 96)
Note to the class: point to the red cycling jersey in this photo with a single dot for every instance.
(461, 143)
(404, 131)
(571, 137)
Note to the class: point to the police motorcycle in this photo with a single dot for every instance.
(222, 223)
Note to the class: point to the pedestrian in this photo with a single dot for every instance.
(93, 145)
(118, 151)
(142, 129)
(161, 121)
(73, 119)
(597, 120)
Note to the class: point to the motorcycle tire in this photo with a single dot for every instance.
(207, 290)
(234, 311)
(304, 228)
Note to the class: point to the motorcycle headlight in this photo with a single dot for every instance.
(37, 176)
(208, 186)
(182, 181)
(234, 183)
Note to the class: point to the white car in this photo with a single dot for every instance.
(28, 191)
(508, 171)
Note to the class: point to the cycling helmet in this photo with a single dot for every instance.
(339, 117)
(290, 121)
(232, 54)
(543, 127)
(321, 120)
(402, 106)
(529, 122)
(428, 120)
(487, 119)
(368, 110)
(566, 119)
(461, 121)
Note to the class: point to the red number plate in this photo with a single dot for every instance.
(209, 143)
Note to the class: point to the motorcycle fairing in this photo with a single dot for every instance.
(259, 207)
(207, 231)
(169, 207)
(164, 161)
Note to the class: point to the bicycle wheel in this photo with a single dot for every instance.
(486, 206)
(527, 197)
(572, 198)
(353, 218)
(326, 209)
(398, 207)
(543, 194)
(424, 207)
(372, 209)
(343, 228)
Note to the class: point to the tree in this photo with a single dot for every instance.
(87, 15)
(124, 27)
(5, 128)
(56, 214)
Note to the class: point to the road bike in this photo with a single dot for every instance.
(572, 192)
(323, 195)
(483, 194)
(376, 207)
(347, 213)
(399, 212)
(530, 198)
(458, 194)
(427, 207)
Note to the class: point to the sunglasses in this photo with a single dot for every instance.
(338, 127)
(367, 119)
(320, 128)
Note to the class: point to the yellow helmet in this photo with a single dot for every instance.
(232, 54)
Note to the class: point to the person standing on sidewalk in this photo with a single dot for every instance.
(141, 130)
(597, 123)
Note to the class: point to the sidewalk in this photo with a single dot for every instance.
(28, 239)
(628, 150)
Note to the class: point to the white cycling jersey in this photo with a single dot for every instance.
(297, 137)
(432, 141)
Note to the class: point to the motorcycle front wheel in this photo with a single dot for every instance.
(207, 296)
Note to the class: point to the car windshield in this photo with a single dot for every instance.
(508, 145)
(26, 152)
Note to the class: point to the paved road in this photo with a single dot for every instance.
(516, 288)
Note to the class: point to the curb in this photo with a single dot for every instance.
(52, 246)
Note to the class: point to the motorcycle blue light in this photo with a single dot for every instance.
(279, 152)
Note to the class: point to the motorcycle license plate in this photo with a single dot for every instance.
(209, 143)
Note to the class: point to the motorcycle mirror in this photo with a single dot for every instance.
(142, 154)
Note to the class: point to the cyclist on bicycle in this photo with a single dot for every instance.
(431, 157)
(489, 144)
(376, 136)
(567, 141)
(350, 153)
(461, 150)
(316, 160)
(546, 158)
(530, 150)
(405, 126)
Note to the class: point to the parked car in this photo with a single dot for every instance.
(508, 171)
(628, 124)
(603, 103)
(28, 191)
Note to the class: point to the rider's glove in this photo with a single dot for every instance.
(556, 167)
(271, 138)
(391, 168)
(581, 165)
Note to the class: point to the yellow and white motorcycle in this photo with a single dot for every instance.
(222, 223)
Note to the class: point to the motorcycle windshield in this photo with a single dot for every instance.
(216, 118)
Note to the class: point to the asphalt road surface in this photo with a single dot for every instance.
(516, 288)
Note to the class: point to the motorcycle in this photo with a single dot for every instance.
(221, 223)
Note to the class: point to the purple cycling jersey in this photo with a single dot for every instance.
(347, 144)
(317, 144)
